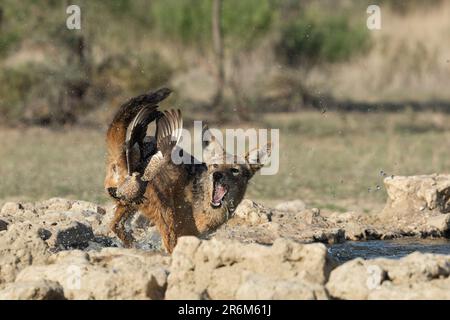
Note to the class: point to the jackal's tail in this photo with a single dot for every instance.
(117, 133)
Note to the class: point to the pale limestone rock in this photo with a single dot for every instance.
(388, 278)
(417, 205)
(10, 208)
(252, 213)
(257, 287)
(80, 206)
(20, 246)
(33, 290)
(55, 204)
(112, 273)
(437, 289)
(226, 269)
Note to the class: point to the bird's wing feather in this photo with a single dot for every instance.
(137, 131)
(168, 133)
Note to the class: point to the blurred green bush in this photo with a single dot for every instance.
(50, 93)
(189, 21)
(310, 39)
(122, 49)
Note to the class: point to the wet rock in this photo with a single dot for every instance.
(94, 220)
(33, 290)
(291, 206)
(141, 222)
(112, 273)
(229, 269)
(75, 235)
(44, 234)
(386, 278)
(3, 225)
(331, 236)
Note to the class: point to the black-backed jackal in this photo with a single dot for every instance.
(184, 199)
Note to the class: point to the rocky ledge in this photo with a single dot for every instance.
(63, 249)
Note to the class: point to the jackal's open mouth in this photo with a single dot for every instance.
(219, 192)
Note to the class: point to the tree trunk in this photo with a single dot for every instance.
(1, 18)
(241, 101)
(217, 34)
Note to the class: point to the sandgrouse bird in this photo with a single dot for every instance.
(145, 159)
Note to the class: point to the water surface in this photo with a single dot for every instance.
(393, 249)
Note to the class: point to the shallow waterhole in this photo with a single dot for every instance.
(393, 249)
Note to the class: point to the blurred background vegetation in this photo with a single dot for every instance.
(278, 54)
(310, 68)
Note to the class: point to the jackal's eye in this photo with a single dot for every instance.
(234, 171)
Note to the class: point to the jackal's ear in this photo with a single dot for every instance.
(212, 149)
(257, 158)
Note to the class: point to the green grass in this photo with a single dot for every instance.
(331, 161)
(39, 164)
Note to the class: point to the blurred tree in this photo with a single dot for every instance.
(217, 33)
(246, 30)
(230, 28)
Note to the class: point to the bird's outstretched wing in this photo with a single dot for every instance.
(168, 130)
(168, 133)
(137, 131)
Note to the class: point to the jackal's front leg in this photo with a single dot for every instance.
(121, 215)
(163, 217)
